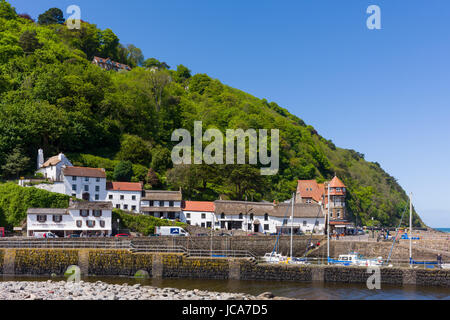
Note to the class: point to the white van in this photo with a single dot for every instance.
(171, 231)
(46, 235)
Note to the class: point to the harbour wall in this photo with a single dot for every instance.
(101, 262)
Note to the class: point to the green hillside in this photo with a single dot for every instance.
(53, 97)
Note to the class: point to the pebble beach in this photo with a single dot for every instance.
(62, 290)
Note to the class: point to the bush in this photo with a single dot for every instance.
(16, 200)
(141, 223)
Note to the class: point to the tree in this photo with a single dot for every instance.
(109, 44)
(135, 149)
(26, 16)
(152, 178)
(6, 11)
(135, 55)
(123, 171)
(29, 42)
(16, 163)
(160, 159)
(155, 63)
(51, 16)
(183, 73)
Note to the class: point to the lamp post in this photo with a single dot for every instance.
(118, 226)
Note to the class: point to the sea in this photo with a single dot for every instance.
(447, 230)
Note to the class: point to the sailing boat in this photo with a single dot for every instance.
(274, 257)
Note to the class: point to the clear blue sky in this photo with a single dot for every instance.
(384, 93)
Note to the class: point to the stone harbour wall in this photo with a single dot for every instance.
(169, 265)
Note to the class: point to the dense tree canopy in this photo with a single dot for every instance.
(53, 97)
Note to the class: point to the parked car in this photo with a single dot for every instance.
(223, 234)
(153, 235)
(73, 236)
(171, 231)
(252, 234)
(122, 235)
(46, 235)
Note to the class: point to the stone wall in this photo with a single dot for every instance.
(376, 249)
(122, 262)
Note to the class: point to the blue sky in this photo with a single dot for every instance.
(384, 93)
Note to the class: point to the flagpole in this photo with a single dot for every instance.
(410, 228)
(328, 227)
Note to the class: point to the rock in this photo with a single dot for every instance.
(266, 295)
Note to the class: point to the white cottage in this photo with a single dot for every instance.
(85, 218)
(125, 195)
(52, 168)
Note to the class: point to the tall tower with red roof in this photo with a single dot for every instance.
(338, 192)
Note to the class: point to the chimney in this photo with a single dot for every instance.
(40, 158)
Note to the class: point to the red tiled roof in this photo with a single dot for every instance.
(84, 172)
(124, 186)
(203, 206)
(310, 189)
(336, 183)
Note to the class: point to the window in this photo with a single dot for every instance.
(222, 224)
(90, 223)
(203, 215)
(74, 194)
(97, 188)
(97, 197)
(188, 222)
(208, 224)
(97, 179)
(317, 223)
(79, 223)
(57, 218)
(110, 197)
(133, 208)
(152, 203)
(74, 187)
(266, 217)
(339, 213)
(133, 197)
(86, 188)
(84, 213)
(97, 213)
(122, 197)
(102, 223)
(222, 216)
(170, 203)
(251, 216)
(266, 227)
(125, 206)
(285, 221)
(241, 216)
(117, 206)
(74, 178)
(203, 224)
(249, 226)
(41, 218)
(171, 215)
(188, 215)
(305, 223)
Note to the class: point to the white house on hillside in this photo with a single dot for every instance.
(125, 195)
(51, 169)
(85, 183)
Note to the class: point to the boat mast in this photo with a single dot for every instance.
(328, 226)
(410, 228)
(292, 222)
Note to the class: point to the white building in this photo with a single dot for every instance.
(269, 217)
(87, 218)
(125, 195)
(162, 204)
(52, 168)
(199, 213)
(85, 183)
